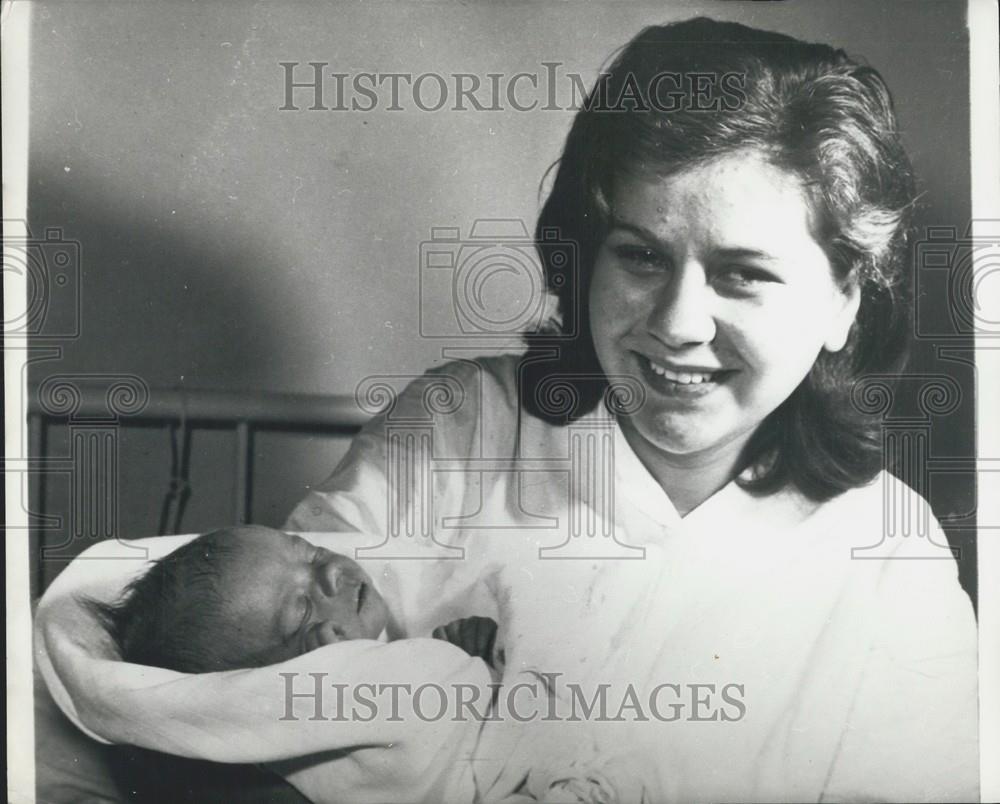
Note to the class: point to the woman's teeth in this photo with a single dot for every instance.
(682, 377)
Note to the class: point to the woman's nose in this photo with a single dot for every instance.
(682, 313)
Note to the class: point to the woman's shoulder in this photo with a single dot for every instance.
(461, 400)
(478, 373)
(454, 388)
(886, 518)
(462, 388)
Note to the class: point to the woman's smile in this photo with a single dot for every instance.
(680, 381)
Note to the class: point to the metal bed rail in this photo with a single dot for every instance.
(94, 408)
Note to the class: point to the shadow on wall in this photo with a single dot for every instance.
(175, 307)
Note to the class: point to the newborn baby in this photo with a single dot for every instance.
(253, 596)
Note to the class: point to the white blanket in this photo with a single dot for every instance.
(262, 715)
(347, 723)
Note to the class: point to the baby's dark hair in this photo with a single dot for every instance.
(172, 615)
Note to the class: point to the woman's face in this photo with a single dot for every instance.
(711, 291)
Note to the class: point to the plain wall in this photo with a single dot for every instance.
(226, 244)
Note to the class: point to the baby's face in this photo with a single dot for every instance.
(284, 597)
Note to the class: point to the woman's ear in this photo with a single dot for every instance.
(840, 326)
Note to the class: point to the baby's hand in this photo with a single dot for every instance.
(475, 635)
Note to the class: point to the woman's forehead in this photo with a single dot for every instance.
(740, 198)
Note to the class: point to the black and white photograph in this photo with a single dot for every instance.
(470, 402)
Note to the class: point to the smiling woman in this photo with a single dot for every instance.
(711, 287)
(792, 209)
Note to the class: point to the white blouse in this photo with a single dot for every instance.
(813, 651)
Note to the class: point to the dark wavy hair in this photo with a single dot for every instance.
(808, 109)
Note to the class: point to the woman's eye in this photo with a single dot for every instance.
(640, 256)
(742, 276)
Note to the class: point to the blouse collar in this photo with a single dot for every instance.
(637, 484)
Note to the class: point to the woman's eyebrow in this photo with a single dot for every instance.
(639, 231)
(744, 254)
(733, 252)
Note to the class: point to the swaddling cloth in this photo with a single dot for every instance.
(538, 749)
(274, 714)
(426, 752)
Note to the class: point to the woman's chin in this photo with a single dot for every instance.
(678, 448)
(667, 437)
